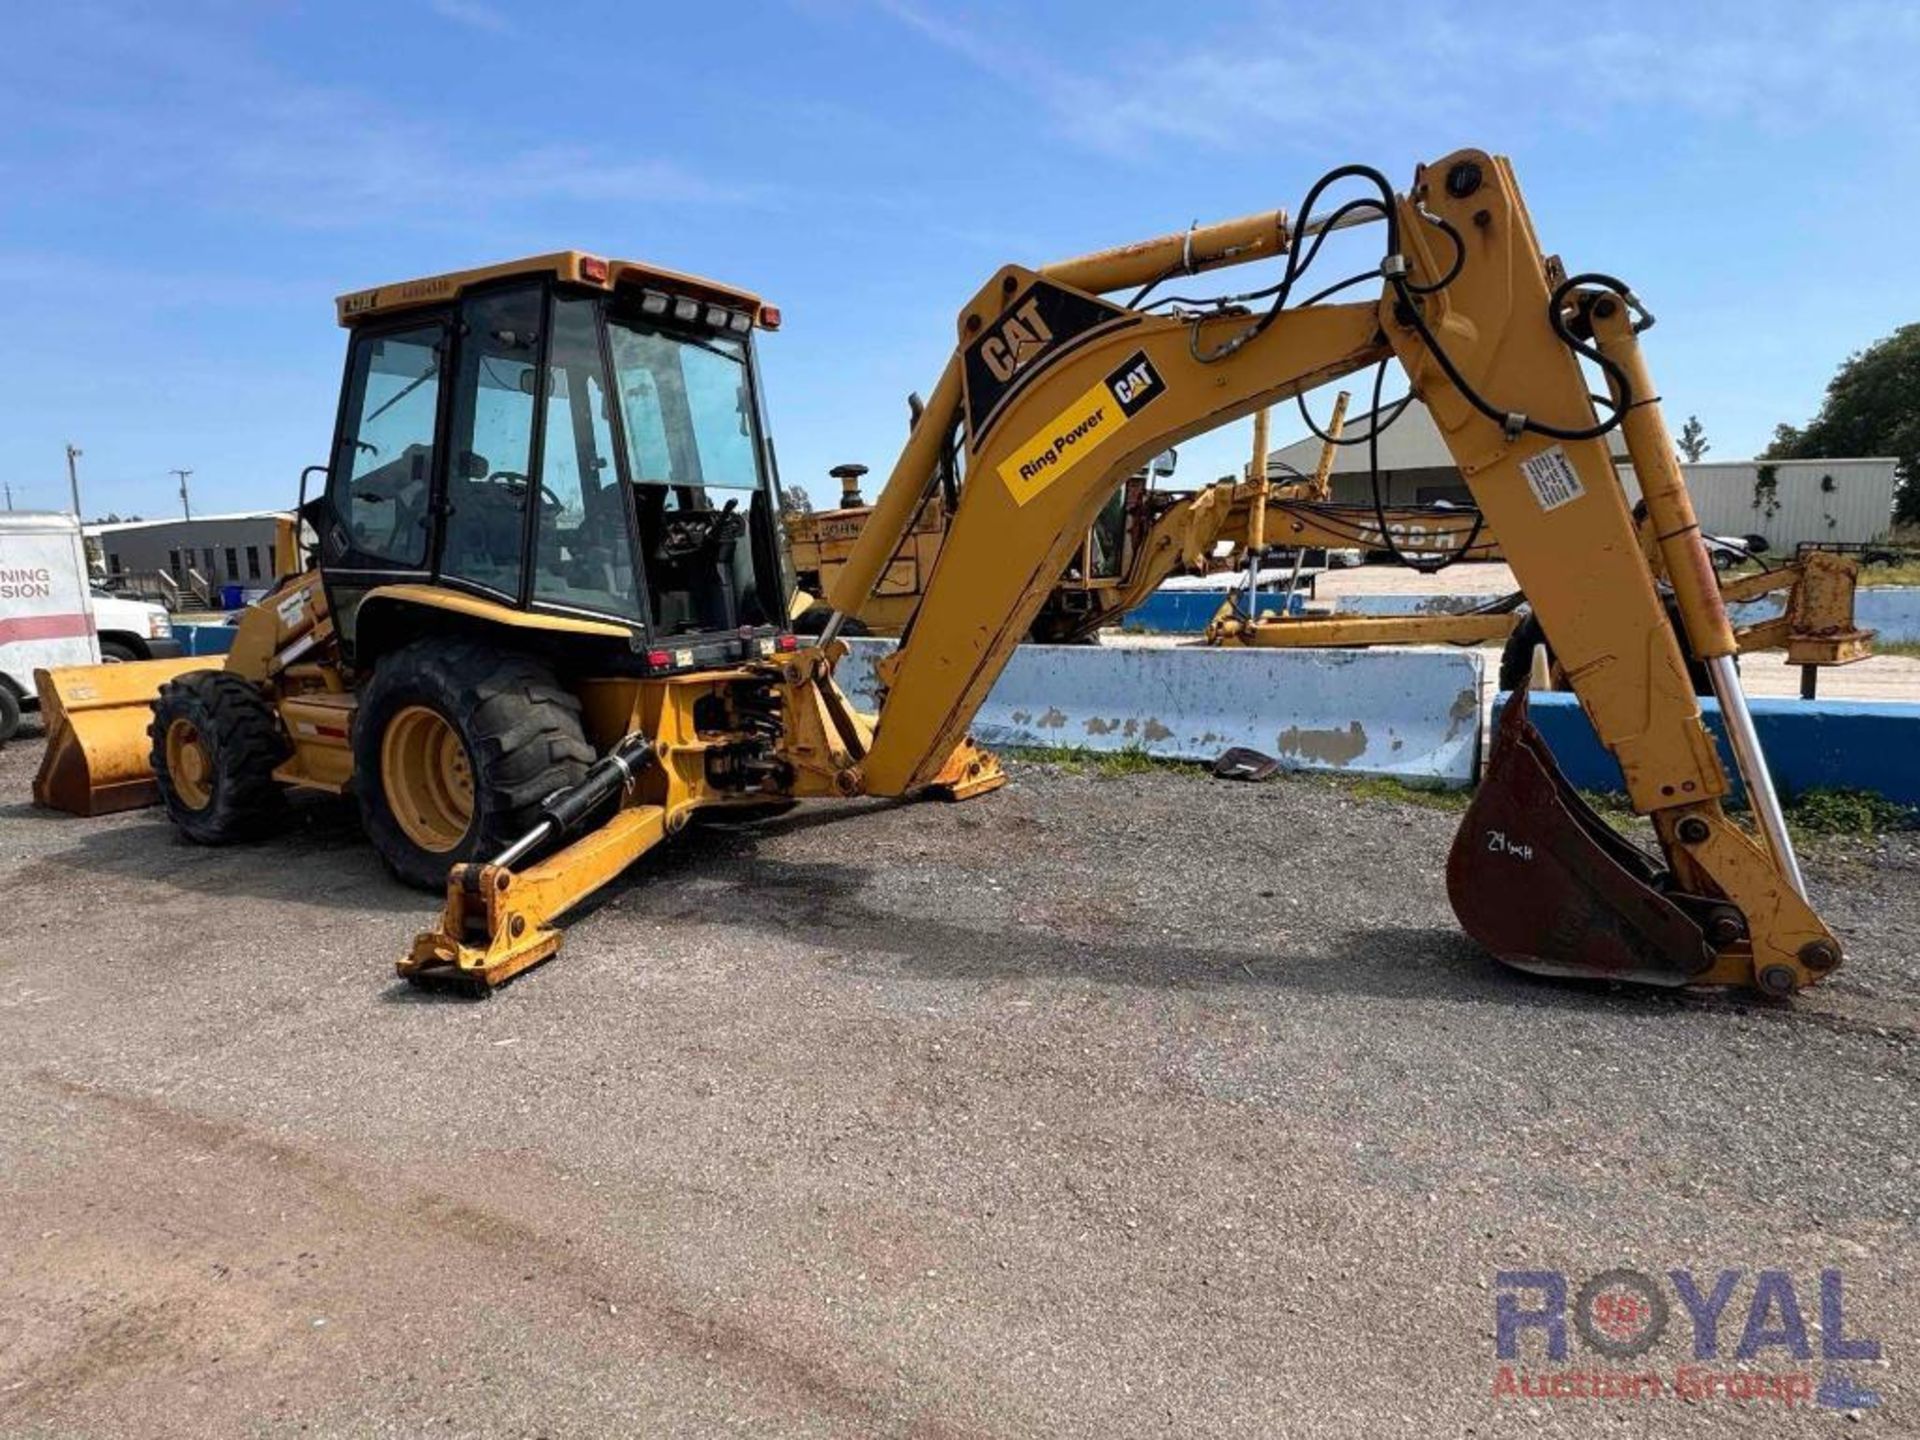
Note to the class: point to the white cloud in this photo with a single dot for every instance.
(1279, 78)
(473, 14)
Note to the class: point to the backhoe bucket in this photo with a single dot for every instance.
(1548, 886)
(97, 744)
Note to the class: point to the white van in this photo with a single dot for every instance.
(50, 614)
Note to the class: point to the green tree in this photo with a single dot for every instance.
(1693, 440)
(794, 500)
(1872, 408)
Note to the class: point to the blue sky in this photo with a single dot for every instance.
(188, 185)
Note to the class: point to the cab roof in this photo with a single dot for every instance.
(574, 266)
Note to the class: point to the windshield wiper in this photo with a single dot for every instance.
(428, 374)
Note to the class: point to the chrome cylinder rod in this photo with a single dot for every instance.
(1752, 762)
(512, 855)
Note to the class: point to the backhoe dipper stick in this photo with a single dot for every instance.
(1696, 589)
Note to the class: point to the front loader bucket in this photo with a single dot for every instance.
(1548, 886)
(97, 745)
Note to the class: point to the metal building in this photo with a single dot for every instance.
(1791, 502)
(1788, 501)
(1416, 468)
(186, 561)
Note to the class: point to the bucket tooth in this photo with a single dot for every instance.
(1548, 886)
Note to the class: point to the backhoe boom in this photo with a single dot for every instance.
(1061, 393)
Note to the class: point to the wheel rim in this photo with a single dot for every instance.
(189, 765)
(427, 778)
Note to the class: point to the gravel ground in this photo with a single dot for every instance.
(1102, 1106)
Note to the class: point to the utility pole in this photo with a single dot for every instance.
(185, 504)
(73, 478)
(9, 495)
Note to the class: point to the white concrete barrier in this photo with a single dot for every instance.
(1409, 713)
(1409, 604)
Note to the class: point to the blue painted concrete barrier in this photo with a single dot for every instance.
(1834, 744)
(1893, 610)
(1187, 612)
(204, 639)
(1412, 714)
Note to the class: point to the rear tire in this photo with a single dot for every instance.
(216, 741)
(455, 746)
(9, 713)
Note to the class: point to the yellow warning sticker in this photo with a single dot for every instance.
(1081, 428)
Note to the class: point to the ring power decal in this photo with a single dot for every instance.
(1082, 427)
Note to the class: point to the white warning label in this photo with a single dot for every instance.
(1552, 478)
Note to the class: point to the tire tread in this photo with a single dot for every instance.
(521, 726)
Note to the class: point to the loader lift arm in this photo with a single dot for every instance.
(1061, 393)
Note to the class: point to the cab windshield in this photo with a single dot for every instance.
(687, 407)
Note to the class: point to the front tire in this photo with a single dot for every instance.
(9, 713)
(117, 652)
(455, 746)
(216, 742)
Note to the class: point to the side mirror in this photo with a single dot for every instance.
(1162, 465)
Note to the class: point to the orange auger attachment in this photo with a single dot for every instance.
(97, 744)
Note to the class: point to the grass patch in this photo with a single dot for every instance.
(1908, 648)
(1429, 797)
(1874, 575)
(1860, 813)
(1104, 764)
(1613, 807)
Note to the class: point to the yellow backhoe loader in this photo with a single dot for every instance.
(548, 618)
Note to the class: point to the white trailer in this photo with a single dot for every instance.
(50, 615)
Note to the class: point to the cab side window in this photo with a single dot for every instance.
(584, 556)
(489, 483)
(381, 478)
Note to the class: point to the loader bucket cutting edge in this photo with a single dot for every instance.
(96, 716)
(1549, 887)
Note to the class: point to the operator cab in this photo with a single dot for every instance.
(562, 437)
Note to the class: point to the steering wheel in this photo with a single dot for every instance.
(516, 483)
(692, 533)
